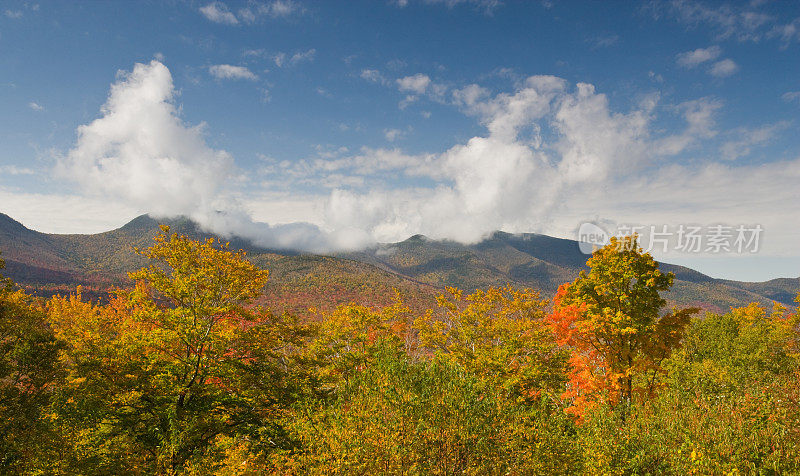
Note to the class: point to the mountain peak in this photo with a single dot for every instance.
(10, 225)
(418, 238)
(139, 223)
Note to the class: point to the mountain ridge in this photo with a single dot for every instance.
(49, 263)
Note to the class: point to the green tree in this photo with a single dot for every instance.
(730, 404)
(611, 318)
(29, 371)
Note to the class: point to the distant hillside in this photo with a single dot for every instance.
(544, 263)
(418, 267)
(47, 264)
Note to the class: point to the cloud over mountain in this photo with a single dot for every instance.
(553, 154)
(141, 151)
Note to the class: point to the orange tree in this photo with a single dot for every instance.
(611, 319)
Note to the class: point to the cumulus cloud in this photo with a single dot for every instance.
(413, 86)
(553, 155)
(141, 151)
(417, 83)
(218, 13)
(226, 71)
(469, 95)
(505, 179)
(35, 106)
(690, 59)
(724, 68)
(141, 154)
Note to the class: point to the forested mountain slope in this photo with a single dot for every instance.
(417, 267)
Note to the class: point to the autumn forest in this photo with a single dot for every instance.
(181, 373)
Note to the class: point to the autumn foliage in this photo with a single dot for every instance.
(185, 373)
(611, 318)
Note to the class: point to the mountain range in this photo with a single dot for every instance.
(418, 268)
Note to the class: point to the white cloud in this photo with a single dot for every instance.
(699, 115)
(14, 170)
(15, 14)
(247, 15)
(417, 83)
(415, 86)
(35, 106)
(393, 134)
(141, 152)
(603, 41)
(469, 95)
(486, 6)
(724, 68)
(226, 71)
(747, 138)
(407, 101)
(372, 75)
(720, 69)
(280, 8)
(690, 59)
(787, 33)
(218, 12)
(552, 157)
(142, 156)
(741, 22)
(282, 59)
(791, 96)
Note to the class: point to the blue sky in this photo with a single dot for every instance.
(332, 125)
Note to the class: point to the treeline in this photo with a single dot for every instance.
(181, 374)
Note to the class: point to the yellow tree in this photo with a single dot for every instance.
(611, 318)
(500, 335)
(180, 361)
